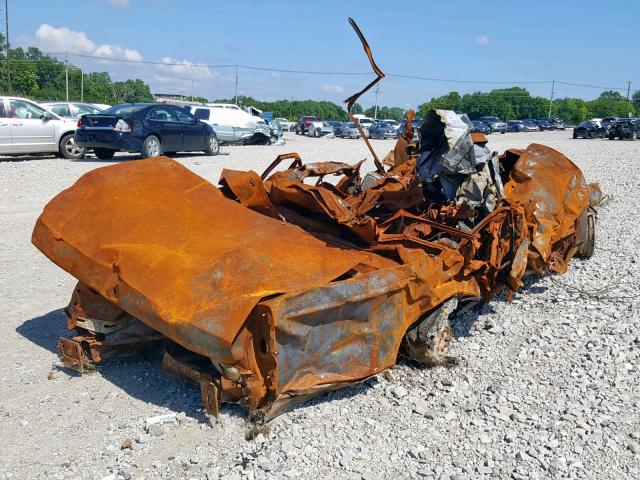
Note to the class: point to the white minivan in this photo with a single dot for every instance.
(26, 127)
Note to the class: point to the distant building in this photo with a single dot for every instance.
(174, 99)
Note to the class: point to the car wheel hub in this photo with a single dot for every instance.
(72, 147)
(154, 148)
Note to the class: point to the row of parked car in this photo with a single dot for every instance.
(69, 129)
(609, 127)
(380, 129)
(387, 128)
(488, 125)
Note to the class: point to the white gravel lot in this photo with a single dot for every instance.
(548, 386)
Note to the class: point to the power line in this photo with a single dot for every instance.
(314, 72)
(318, 72)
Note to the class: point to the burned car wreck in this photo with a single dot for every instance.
(274, 288)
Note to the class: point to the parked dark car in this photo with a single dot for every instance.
(494, 123)
(337, 125)
(514, 126)
(589, 129)
(556, 123)
(480, 127)
(529, 125)
(303, 124)
(609, 122)
(382, 130)
(625, 129)
(149, 128)
(541, 123)
(416, 129)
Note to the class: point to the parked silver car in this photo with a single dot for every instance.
(72, 109)
(26, 127)
(319, 129)
(349, 130)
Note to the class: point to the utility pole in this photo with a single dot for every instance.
(6, 32)
(291, 106)
(628, 89)
(192, 89)
(66, 73)
(81, 85)
(553, 85)
(375, 113)
(236, 92)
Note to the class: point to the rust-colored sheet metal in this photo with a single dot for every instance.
(554, 193)
(177, 254)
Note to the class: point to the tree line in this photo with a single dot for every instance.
(518, 103)
(42, 77)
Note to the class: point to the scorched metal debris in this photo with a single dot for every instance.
(271, 289)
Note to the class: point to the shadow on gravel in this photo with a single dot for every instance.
(136, 156)
(140, 375)
(45, 330)
(27, 158)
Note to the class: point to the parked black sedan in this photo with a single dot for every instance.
(149, 128)
(589, 129)
(480, 127)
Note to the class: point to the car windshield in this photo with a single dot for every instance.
(588, 124)
(490, 119)
(351, 125)
(124, 110)
(383, 125)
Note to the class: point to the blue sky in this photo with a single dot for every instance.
(584, 42)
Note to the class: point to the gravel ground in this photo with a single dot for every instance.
(547, 386)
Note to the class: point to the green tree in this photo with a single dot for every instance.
(610, 104)
(450, 101)
(636, 100)
(293, 110)
(41, 77)
(571, 110)
(357, 108)
(395, 113)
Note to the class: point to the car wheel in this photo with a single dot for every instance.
(575, 135)
(316, 134)
(151, 147)
(68, 147)
(426, 342)
(213, 146)
(634, 135)
(104, 153)
(612, 137)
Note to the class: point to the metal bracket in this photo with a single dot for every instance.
(71, 354)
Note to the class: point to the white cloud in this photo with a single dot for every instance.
(118, 3)
(64, 40)
(275, 75)
(52, 39)
(116, 51)
(335, 89)
(185, 68)
(482, 40)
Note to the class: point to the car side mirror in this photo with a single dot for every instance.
(47, 116)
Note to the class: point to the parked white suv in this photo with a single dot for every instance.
(26, 127)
